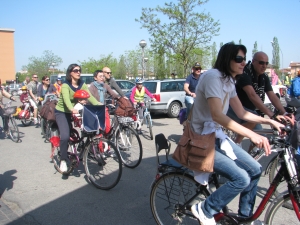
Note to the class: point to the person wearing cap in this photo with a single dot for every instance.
(57, 85)
(190, 87)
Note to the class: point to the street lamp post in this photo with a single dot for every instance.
(53, 65)
(281, 59)
(143, 44)
(145, 61)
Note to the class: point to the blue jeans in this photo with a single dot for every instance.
(243, 175)
(189, 101)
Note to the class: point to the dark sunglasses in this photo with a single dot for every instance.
(76, 71)
(35, 77)
(47, 80)
(197, 69)
(108, 72)
(239, 59)
(262, 62)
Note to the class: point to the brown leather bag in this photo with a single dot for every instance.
(195, 151)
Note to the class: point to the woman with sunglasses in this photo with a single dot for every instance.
(216, 90)
(190, 86)
(46, 88)
(65, 107)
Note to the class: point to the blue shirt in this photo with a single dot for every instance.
(192, 81)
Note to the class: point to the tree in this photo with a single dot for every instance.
(42, 66)
(214, 54)
(185, 29)
(254, 48)
(221, 44)
(276, 56)
(121, 69)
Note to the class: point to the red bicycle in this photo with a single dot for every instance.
(174, 191)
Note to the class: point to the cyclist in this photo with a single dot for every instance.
(251, 88)
(32, 90)
(230, 161)
(24, 98)
(57, 85)
(111, 81)
(190, 86)
(138, 94)
(45, 88)
(99, 89)
(65, 106)
(4, 93)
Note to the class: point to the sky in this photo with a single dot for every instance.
(77, 30)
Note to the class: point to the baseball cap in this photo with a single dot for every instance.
(197, 65)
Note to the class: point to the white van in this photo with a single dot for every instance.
(87, 78)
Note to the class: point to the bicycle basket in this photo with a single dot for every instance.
(125, 119)
(10, 110)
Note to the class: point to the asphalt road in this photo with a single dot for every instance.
(32, 192)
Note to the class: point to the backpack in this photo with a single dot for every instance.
(295, 87)
(48, 110)
(125, 108)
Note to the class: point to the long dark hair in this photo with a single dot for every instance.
(69, 70)
(228, 52)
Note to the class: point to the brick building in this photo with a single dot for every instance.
(7, 55)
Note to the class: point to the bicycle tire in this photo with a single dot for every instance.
(282, 186)
(169, 193)
(56, 161)
(280, 214)
(26, 122)
(47, 135)
(149, 124)
(103, 170)
(129, 146)
(13, 129)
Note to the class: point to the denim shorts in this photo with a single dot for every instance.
(233, 116)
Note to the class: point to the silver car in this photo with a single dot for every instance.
(169, 95)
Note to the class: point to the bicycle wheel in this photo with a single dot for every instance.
(26, 122)
(129, 145)
(282, 187)
(56, 160)
(169, 194)
(13, 129)
(43, 126)
(149, 125)
(104, 170)
(280, 214)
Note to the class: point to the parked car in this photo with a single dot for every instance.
(14, 89)
(169, 95)
(278, 89)
(125, 85)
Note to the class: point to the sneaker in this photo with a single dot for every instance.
(198, 213)
(35, 121)
(63, 166)
(110, 153)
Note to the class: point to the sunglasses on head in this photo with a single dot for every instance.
(76, 71)
(262, 62)
(239, 59)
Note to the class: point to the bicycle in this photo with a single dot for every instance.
(124, 137)
(146, 118)
(13, 130)
(102, 168)
(174, 191)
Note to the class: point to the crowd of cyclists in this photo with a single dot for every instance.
(238, 86)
